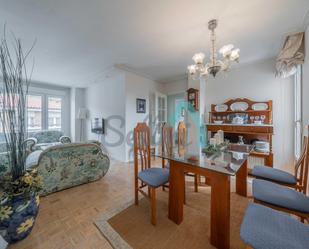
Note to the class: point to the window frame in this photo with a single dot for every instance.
(42, 106)
(62, 111)
(65, 105)
(298, 122)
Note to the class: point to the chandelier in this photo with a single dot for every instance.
(229, 55)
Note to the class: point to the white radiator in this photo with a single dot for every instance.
(252, 161)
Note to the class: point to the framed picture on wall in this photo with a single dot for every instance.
(140, 105)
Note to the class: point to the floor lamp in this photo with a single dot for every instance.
(82, 115)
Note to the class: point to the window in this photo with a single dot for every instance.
(54, 113)
(44, 112)
(298, 112)
(34, 113)
(161, 107)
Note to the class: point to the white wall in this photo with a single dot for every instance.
(137, 87)
(72, 114)
(193, 121)
(306, 84)
(107, 100)
(175, 87)
(77, 102)
(115, 99)
(257, 82)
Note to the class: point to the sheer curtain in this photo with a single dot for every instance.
(288, 63)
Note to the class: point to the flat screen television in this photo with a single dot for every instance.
(98, 126)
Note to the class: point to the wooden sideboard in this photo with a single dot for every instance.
(250, 131)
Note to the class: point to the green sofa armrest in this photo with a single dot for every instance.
(65, 140)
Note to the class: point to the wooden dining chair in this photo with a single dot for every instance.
(144, 175)
(298, 180)
(182, 140)
(167, 142)
(283, 198)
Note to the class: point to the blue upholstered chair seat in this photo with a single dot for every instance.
(273, 174)
(280, 196)
(265, 228)
(154, 177)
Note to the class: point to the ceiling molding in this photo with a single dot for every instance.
(306, 20)
(129, 69)
(102, 75)
(173, 79)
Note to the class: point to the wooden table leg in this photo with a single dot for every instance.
(176, 192)
(220, 211)
(241, 179)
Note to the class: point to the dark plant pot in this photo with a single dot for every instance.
(17, 217)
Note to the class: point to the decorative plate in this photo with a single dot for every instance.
(239, 106)
(218, 121)
(259, 107)
(221, 108)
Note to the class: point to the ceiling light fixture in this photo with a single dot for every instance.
(229, 54)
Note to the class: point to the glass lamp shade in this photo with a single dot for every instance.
(225, 65)
(204, 73)
(82, 113)
(235, 54)
(191, 69)
(198, 58)
(226, 50)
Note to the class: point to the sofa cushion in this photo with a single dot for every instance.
(265, 228)
(273, 174)
(280, 196)
(33, 159)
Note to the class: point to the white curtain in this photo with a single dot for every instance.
(291, 55)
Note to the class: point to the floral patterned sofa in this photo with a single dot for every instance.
(68, 165)
(35, 141)
(65, 165)
(4, 159)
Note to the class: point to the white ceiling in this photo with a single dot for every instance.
(78, 41)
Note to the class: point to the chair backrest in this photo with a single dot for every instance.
(301, 167)
(306, 166)
(305, 177)
(167, 139)
(182, 137)
(142, 146)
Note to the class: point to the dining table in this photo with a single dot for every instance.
(218, 168)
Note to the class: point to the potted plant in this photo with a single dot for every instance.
(19, 199)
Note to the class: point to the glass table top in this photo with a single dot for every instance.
(227, 161)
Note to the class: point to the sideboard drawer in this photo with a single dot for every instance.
(259, 129)
(241, 129)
